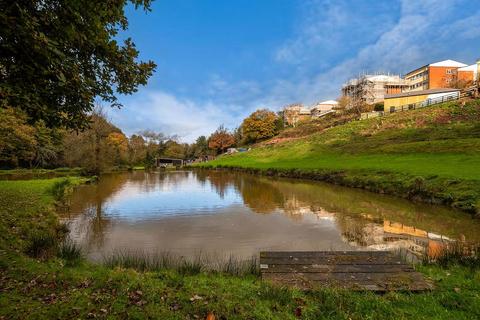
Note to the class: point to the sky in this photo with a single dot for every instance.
(218, 61)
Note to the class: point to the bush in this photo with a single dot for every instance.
(70, 252)
(60, 188)
(41, 245)
(379, 106)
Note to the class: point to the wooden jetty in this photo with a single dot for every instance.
(355, 270)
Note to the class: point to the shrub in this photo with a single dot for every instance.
(59, 189)
(70, 252)
(41, 245)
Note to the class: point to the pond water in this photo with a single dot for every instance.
(218, 212)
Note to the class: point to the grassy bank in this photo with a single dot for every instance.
(431, 155)
(50, 284)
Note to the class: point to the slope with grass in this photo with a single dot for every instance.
(41, 280)
(431, 154)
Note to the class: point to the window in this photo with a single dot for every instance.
(449, 71)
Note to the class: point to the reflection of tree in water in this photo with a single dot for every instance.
(87, 203)
(359, 215)
(260, 197)
(220, 181)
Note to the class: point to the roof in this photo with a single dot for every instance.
(473, 67)
(328, 102)
(420, 93)
(448, 63)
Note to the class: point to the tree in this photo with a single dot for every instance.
(344, 103)
(48, 145)
(136, 149)
(260, 125)
(220, 140)
(92, 149)
(118, 142)
(201, 147)
(57, 57)
(17, 138)
(174, 149)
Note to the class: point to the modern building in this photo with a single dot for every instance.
(322, 108)
(440, 74)
(468, 74)
(415, 99)
(371, 89)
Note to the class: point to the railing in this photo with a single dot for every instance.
(413, 106)
(426, 103)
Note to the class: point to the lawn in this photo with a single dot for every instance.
(50, 287)
(439, 145)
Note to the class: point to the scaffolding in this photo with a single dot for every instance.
(371, 89)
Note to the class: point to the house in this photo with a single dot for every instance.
(372, 89)
(322, 108)
(295, 113)
(440, 74)
(415, 99)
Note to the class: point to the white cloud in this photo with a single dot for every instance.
(425, 31)
(161, 111)
(419, 32)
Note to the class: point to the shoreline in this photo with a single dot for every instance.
(431, 190)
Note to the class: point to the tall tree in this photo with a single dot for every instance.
(220, 140)
(57, 57)
(260, 125)
(201, 147)
(17, 138)
(136, 149)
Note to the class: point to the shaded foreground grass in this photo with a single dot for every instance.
(431, 154)
(47, 286)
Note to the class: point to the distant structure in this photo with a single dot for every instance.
(437, 75)
(372, 89)
(296, 113)
(321, 108)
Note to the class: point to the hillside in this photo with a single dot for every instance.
(431, 155)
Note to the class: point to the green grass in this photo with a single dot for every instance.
(440, 145)
(64, 286)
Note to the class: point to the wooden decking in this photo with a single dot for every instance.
(357, 270)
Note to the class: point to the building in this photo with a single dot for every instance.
(415, 99)
(322, 108)
(372, 89)
(468, 74)
(436, 75)
(295, 113)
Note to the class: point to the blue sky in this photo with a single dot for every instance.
(220, 60)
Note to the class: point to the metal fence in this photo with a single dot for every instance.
(426, 103)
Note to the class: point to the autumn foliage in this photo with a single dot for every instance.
(220, 140)
(260, 125)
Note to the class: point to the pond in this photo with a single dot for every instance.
(218, 212)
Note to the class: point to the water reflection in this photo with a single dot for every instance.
(212, 211)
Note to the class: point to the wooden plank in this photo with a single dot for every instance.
(358, 260)
(312, 254)
(356, 270)
(341, 268)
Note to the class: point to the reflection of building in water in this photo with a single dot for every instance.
(296, 209)
(431, 243)
(393, 235)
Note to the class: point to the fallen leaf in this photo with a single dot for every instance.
(298, 312)
(210, 316)
(196, 297)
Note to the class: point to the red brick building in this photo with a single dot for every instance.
(442, 74)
